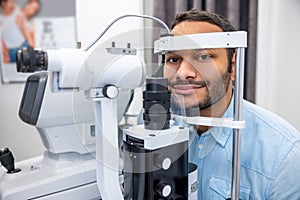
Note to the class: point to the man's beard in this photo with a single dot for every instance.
(216, 89)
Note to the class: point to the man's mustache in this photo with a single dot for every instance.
(189, 82)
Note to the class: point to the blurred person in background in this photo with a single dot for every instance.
(14, 30)
(30, 10)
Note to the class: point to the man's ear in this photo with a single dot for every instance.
(233, 68)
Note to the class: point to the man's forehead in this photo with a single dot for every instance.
(193, 27)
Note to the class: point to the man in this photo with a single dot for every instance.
(13, 29)
(270, 150)
(30, 9)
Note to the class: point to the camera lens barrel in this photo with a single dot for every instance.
(156, 104)
(31, 60)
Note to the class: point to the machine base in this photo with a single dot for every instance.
(48, 178)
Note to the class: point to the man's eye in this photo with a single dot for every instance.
(204, 57)
(173, 60)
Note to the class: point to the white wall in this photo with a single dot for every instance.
(21, 138)
(278, 58)
(92, 17)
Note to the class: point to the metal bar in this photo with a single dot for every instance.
(238, 100)
(124, 16)
(234, 39)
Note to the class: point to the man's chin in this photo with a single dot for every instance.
(187, 105)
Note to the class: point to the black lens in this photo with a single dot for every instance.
(31, 60)
(156, 104)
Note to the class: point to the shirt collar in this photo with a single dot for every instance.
(221, 134)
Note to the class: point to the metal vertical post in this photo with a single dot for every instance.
(238, 100)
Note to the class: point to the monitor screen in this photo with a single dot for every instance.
(32, 97)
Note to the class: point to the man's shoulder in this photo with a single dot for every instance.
(262, 119)
(269, 137)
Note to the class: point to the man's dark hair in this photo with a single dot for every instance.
(2, 1)
(196, 15)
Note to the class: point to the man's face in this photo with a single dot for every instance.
(200, 76)
(8, 6)
(31, 9)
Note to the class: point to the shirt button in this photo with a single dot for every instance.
(200, 146)
(228, 193)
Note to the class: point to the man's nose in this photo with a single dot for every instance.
(186, 70)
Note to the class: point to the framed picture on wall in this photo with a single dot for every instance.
(41, 24)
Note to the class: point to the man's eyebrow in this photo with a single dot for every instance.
(196, 50)
(208, 49)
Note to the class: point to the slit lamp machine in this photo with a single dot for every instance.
(76, 99)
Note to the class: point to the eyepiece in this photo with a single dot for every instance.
(156, 104)
(31, 60)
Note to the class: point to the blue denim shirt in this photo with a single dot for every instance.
(270, 158)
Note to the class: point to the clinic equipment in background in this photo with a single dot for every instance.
(77, 72)
(67, 168)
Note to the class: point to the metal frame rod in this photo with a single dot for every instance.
(124, 16)
(238, 100)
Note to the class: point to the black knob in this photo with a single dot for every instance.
(110, 91)
(163, 189)
(162, 161)
(7, 160)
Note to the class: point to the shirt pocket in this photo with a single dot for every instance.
(220, 189)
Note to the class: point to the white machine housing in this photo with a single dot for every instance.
(66, 123)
